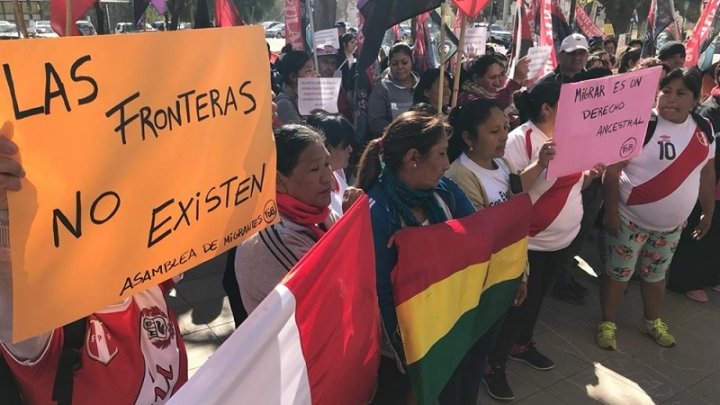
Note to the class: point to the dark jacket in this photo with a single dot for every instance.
(385, 222)
(710, 109)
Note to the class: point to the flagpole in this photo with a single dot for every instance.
(68, 18)
(442, 58)
(459, 61)
(19, 19)
(312, 30)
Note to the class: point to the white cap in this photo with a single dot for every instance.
(573, 42)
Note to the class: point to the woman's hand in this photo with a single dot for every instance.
(611, 223)
(522, 69)
(596, 171)
(350, 196)
(520, 294)
(547, 153)
(10, 170)
(702, 227)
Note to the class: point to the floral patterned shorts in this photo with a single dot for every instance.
(637, 248)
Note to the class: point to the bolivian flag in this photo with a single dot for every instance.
(451, 283)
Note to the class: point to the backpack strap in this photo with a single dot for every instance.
(704, 126)
(73, 337)
(652, 125)
(9, 391)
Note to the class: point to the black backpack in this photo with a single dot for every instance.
(73, 337)
(701, 122)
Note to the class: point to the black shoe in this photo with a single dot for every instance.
(497, 384)
(534, 358)
(567, 294)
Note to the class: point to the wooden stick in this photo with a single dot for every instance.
(68, 18)
(442, 58)
(20, 19)
(459, 60)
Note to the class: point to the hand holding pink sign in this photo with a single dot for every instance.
(602, 121)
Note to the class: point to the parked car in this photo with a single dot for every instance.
(500, 35)
(276, 31)
(85, 27)
(270, 24)
(8, 30)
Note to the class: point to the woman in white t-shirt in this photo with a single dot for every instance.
(556, 215)
(337, 132)
(647, 201)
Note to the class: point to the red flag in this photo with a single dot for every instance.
(57, 14)
(471, 8)
(420, 48)
(701, 33)
(315, 339)
(293, 25)
(227, 14)
(546, 34)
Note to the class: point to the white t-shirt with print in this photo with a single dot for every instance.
(495, 182)
(659, 188)
(557, 203)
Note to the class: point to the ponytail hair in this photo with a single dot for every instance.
(530, 102)
(410, 130)
(466, 118)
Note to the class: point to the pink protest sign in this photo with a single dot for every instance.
(602, 120)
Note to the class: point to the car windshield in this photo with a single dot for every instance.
(7, 28)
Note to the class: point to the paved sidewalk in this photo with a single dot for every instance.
(640, 372)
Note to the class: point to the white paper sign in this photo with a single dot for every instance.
(326, 41)
(318, 93)
(622, 44)
(538, 58)
(475, 41)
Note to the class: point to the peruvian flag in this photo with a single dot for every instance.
(57, 14)
(546, 34)
(227, 14)
(471, 8)
(313, 340)
(701, 34)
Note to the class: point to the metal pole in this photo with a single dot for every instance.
(68, 18)
(312, 30)
(442, 58)
(459, 61)
(110, 29)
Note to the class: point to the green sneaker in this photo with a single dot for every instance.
(659, 332)
(605, 337)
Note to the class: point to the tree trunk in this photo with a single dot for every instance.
(324, 12)
(619, 12)
(101, 19)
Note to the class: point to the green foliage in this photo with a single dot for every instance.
(253, 11)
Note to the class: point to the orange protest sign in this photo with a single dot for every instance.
(145, 154)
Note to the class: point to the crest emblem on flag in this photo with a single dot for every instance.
(100, 345)
(160, 331)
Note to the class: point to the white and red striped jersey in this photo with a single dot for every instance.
(557, 203)
(133, 353)
(659, 187)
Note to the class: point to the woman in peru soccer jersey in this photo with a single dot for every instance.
(647, 201)
(130, 352)
(557, 212)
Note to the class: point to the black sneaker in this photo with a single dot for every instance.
(497, 384)
(534, 358)
(567, 294)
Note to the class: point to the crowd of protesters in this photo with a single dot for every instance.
(422, 166)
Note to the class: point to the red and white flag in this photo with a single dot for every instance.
(313, 340)
(701, 33)
(586, 25)
(293, 25)
(546, 35)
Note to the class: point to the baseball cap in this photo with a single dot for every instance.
(671, 48)
(573, 42)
